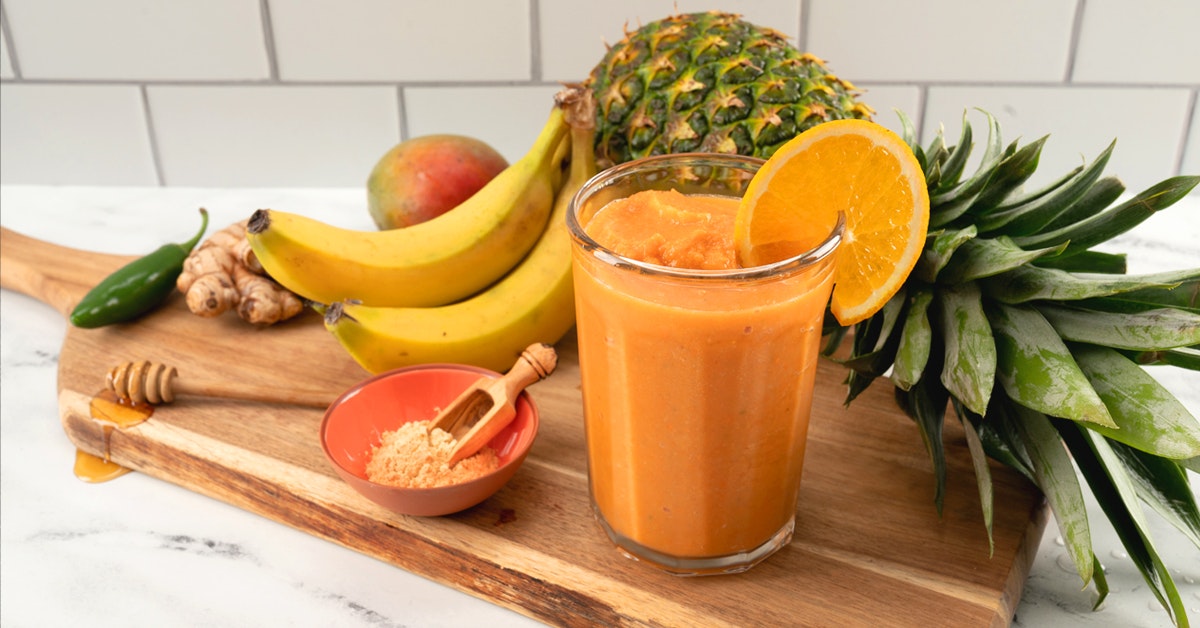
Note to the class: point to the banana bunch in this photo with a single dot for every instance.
(533, 302)
(433, 263)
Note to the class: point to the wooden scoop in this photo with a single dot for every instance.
(488, 404)
(155, 383)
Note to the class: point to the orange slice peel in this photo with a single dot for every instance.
(858, 168)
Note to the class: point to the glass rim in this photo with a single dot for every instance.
(784, 266)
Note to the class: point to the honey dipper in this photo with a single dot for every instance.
(155, 383)
(489, 403)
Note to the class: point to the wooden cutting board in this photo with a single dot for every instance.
(869, 548)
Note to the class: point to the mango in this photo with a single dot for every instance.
(427, 176)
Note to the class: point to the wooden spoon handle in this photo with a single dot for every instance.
(536, 363)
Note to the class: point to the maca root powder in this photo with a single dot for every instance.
(411, 457)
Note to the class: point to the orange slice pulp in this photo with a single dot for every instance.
(858, 168)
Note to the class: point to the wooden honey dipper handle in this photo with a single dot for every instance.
(155, 383)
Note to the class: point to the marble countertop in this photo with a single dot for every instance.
(138, 551)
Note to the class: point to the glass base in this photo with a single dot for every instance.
(698, 566)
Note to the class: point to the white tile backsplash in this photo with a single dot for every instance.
(1154, 41)
(138, 39)
(507, 118)
(272, 135)
(385, 40)
(886, 99)
(575, 35)
(884, 40)
(1147, 146)
(74, 134)
(311, 92)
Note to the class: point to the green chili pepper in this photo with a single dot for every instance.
(137, 287)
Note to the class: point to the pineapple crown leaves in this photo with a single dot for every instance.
(1037, 342)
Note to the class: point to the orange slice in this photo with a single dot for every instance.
(855, 167)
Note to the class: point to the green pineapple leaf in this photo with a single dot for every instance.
(956, 161)
(984, 257)
(1114, 491)
(983, 472)
(873, 347)
(1055, 475)
(969, 369)
(1101, 582)
(946, 206)
(1021, 198)
(1009, 175)
(916, 340)
(999, 438)
(1113, 222)
(1085, 262)
(1037, 371)
(1032, 217)
(1163, 485)
(1148, 330)
(908, 132)
(935, 155)
(1028, 283)
(1094, 201)
(1185, 296)
(925, 403)
(939, 248)
(833, 333)
(1145, 415)
(875, 357)
(1186, 358)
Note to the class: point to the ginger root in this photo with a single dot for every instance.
(223, 274)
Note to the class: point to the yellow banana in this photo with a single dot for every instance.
(432, 263)
(533, 303)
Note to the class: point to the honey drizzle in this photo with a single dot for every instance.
(94, 469)
(109, 409)
(111, 412)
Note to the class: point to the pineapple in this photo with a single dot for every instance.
(711, 82)
(1036, 341)
(1012, 323)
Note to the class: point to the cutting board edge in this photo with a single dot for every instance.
(525, 592)
(528, 593)
(1026, 554)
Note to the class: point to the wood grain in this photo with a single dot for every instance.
(869, 549)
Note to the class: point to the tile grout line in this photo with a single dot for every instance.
(152, 136)
(803, 26)
(264, 9)
(9, 43)
(922, 107)
(231, 82)
(1073, 42)
(535, 41)
(402, 113)
(1181, 152)
(917, 83)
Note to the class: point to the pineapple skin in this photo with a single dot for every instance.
(711, 82)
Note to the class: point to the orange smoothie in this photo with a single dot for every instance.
(697, 383)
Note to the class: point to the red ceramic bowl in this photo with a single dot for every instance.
(354, 423)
